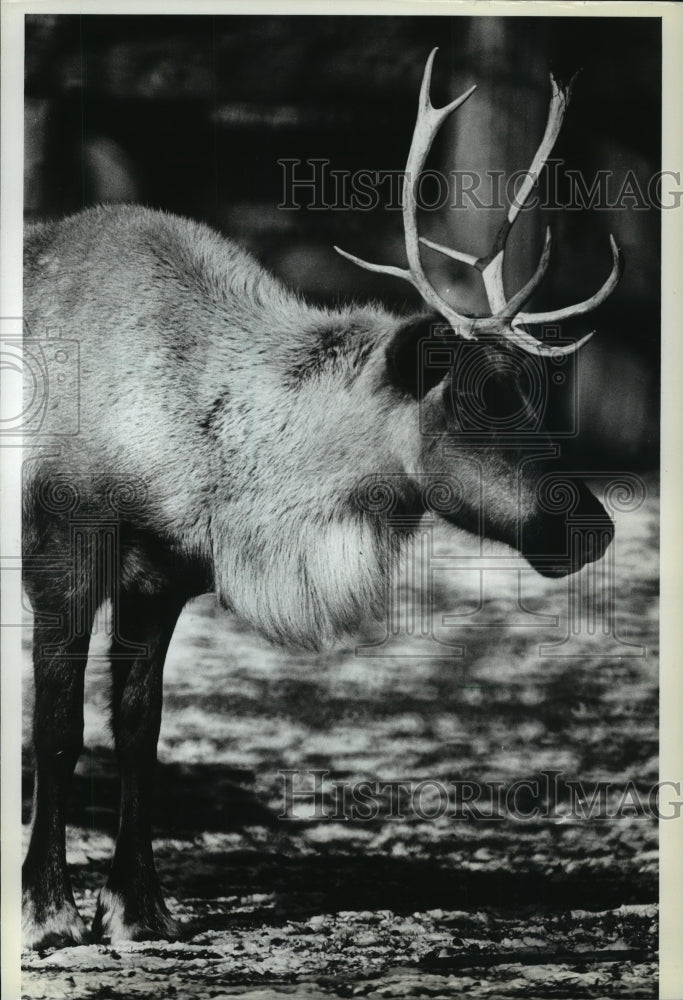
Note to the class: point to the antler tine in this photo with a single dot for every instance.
(396, 272)
(491, 266)
(465, 258)
(510, 308)
(529, 344)
(559, 100)
(554, 315)
(427, 124)
(429, 120)
(526, 291)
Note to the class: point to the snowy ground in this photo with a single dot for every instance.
(554, 906)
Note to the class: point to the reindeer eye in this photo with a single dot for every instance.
(493, 401)
(493, 392)
(500, 398)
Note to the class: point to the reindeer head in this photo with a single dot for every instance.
(508, 489)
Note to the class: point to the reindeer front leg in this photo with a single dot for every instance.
(131, 906)
(49, 914)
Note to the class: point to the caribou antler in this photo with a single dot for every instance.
(506, 319)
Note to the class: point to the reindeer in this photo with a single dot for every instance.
(229, 424)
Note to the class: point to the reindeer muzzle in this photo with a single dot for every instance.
(559, 544)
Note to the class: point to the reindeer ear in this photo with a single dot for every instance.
(414, 362)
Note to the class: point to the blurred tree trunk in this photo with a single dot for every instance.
(492, 136)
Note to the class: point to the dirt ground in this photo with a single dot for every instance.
(554, 905)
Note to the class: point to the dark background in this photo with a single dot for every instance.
(192, 114)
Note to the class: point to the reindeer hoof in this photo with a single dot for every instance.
(111, 923)
(59, 928)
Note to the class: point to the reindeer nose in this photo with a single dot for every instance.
(592, 540)
(559, 544)
(591, 530)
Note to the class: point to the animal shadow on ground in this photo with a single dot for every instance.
(198, 799)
